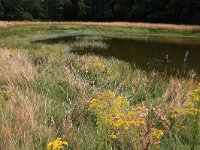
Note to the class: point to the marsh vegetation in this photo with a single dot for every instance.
(53, 98)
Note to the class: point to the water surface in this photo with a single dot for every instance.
(145, 52)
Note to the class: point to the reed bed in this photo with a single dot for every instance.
(106, 24)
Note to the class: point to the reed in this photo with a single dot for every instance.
(108, 24)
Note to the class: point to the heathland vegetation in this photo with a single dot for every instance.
(53, 99)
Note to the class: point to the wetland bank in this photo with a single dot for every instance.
(91, 86)
(146, 52)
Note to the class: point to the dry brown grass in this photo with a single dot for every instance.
(15, 67)
(177, 92)
(23, 116)
(33, 116)
(106, 24)
(21, 120)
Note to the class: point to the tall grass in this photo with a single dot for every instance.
(49, 99)
(111, 24)
(46, 94)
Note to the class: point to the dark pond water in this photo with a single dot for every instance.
(146, 52)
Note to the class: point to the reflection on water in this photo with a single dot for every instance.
(146, 52)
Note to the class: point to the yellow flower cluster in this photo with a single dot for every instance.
(57, 144)
(174, 112)
(195, 94)
(192, 107)
(117, 112)
(95, 64)
(157, 134)
(192, 111)
(114, 136)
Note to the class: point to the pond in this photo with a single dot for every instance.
(145, 52)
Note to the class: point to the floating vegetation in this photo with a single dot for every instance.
(81, 45)
(88, 42)
(92, 38)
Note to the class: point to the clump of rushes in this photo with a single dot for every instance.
(126, 126)
(57, 144)
(88, 44)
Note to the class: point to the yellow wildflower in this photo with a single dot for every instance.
(175, 112)
(96, 64)
(114, 136)
(191, 111)
(189, 104)
(117, 112)
(195, 94)
(57, 144)
(155, 133)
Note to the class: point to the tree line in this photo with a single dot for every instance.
(157, 11)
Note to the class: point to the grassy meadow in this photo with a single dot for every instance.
(53, 99)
